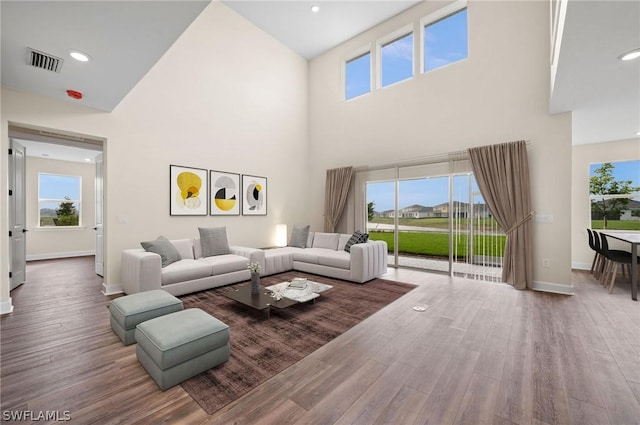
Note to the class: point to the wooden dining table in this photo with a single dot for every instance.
(634, 239)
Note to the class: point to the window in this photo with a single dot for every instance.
(445, 38)
(614, 191)
(59, 200)
(396, 60)
(358, 76)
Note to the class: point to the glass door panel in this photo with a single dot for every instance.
(423, 223)
(381, 201)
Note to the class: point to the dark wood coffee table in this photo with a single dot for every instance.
(262, 301)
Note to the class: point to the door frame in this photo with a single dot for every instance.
(61, 137)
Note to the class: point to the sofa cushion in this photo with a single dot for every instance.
(308, 255)
(299, 236)
(214, 241)
(325, 240)
(342, 241)
(336, 259)
(221, 264)
(357, 237)
(164, 248)
(310, 239)
(184, 247)
(184, 270)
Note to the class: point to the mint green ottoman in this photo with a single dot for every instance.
(128, 311)
(181, 345)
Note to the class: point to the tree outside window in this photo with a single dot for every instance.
(59, 200)
(615, 195)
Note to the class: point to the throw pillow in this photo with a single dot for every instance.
(164, 248)
(357, 237)
(310, 239)
(214, 241)
(326, 240)
(342, 241)
(299, 236)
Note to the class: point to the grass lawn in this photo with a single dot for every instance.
(616, 225)
(437, 244)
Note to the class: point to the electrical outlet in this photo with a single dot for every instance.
(546, 263)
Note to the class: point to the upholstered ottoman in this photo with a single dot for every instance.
(128, 311)
(179, 346)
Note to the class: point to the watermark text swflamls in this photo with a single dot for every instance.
(31, 415)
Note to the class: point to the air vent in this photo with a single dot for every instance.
(43, 60)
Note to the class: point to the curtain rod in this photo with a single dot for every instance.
(422, 160)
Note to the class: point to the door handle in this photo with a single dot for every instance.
(95, 228)
(24, 230)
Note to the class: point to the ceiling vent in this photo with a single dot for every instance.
(43, 60)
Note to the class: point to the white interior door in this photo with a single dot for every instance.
(99, 217)
(17, 215)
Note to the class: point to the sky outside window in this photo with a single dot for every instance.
(53, 186)
(623, 170)
(358, 76)
(397, 60)
(426, 192)
(445, 41)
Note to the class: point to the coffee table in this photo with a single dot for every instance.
(309, 293)
(264, 301)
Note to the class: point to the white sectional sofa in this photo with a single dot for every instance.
(326, 256)
(143, 271)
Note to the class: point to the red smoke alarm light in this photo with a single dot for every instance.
(74, 94)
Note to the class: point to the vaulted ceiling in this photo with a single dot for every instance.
(126, 39)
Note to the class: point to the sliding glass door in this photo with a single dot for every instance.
(437, 221)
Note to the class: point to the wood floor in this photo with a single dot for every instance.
(481, 353)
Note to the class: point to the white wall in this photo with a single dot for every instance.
(227, 97)
(499, 94)
(583, 157)
(54, 242)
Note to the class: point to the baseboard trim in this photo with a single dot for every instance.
(555, 288)
(109, 289)
(54, 255)
(580, 266)
(6, 307)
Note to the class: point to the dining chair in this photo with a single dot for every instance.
(613, 258)
(597, 257)
(601, 260)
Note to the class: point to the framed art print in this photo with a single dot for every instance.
(188, 190)
(225, 193)
(254, 195)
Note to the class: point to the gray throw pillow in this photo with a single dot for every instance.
(299, 236)
(164, 248)
(214, 241)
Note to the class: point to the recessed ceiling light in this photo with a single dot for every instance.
(79, 56)
(633, 54)
(88, 159)
(315, 8)
(637, 133)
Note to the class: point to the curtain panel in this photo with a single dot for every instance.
(502, 174)
(335, 195)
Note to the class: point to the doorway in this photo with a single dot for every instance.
(56, 189)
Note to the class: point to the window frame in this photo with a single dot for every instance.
(354, 55)
(434, 17)
(388, 39)
(76, 202)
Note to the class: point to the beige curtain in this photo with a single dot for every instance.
(335, 195)
(502, 173)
